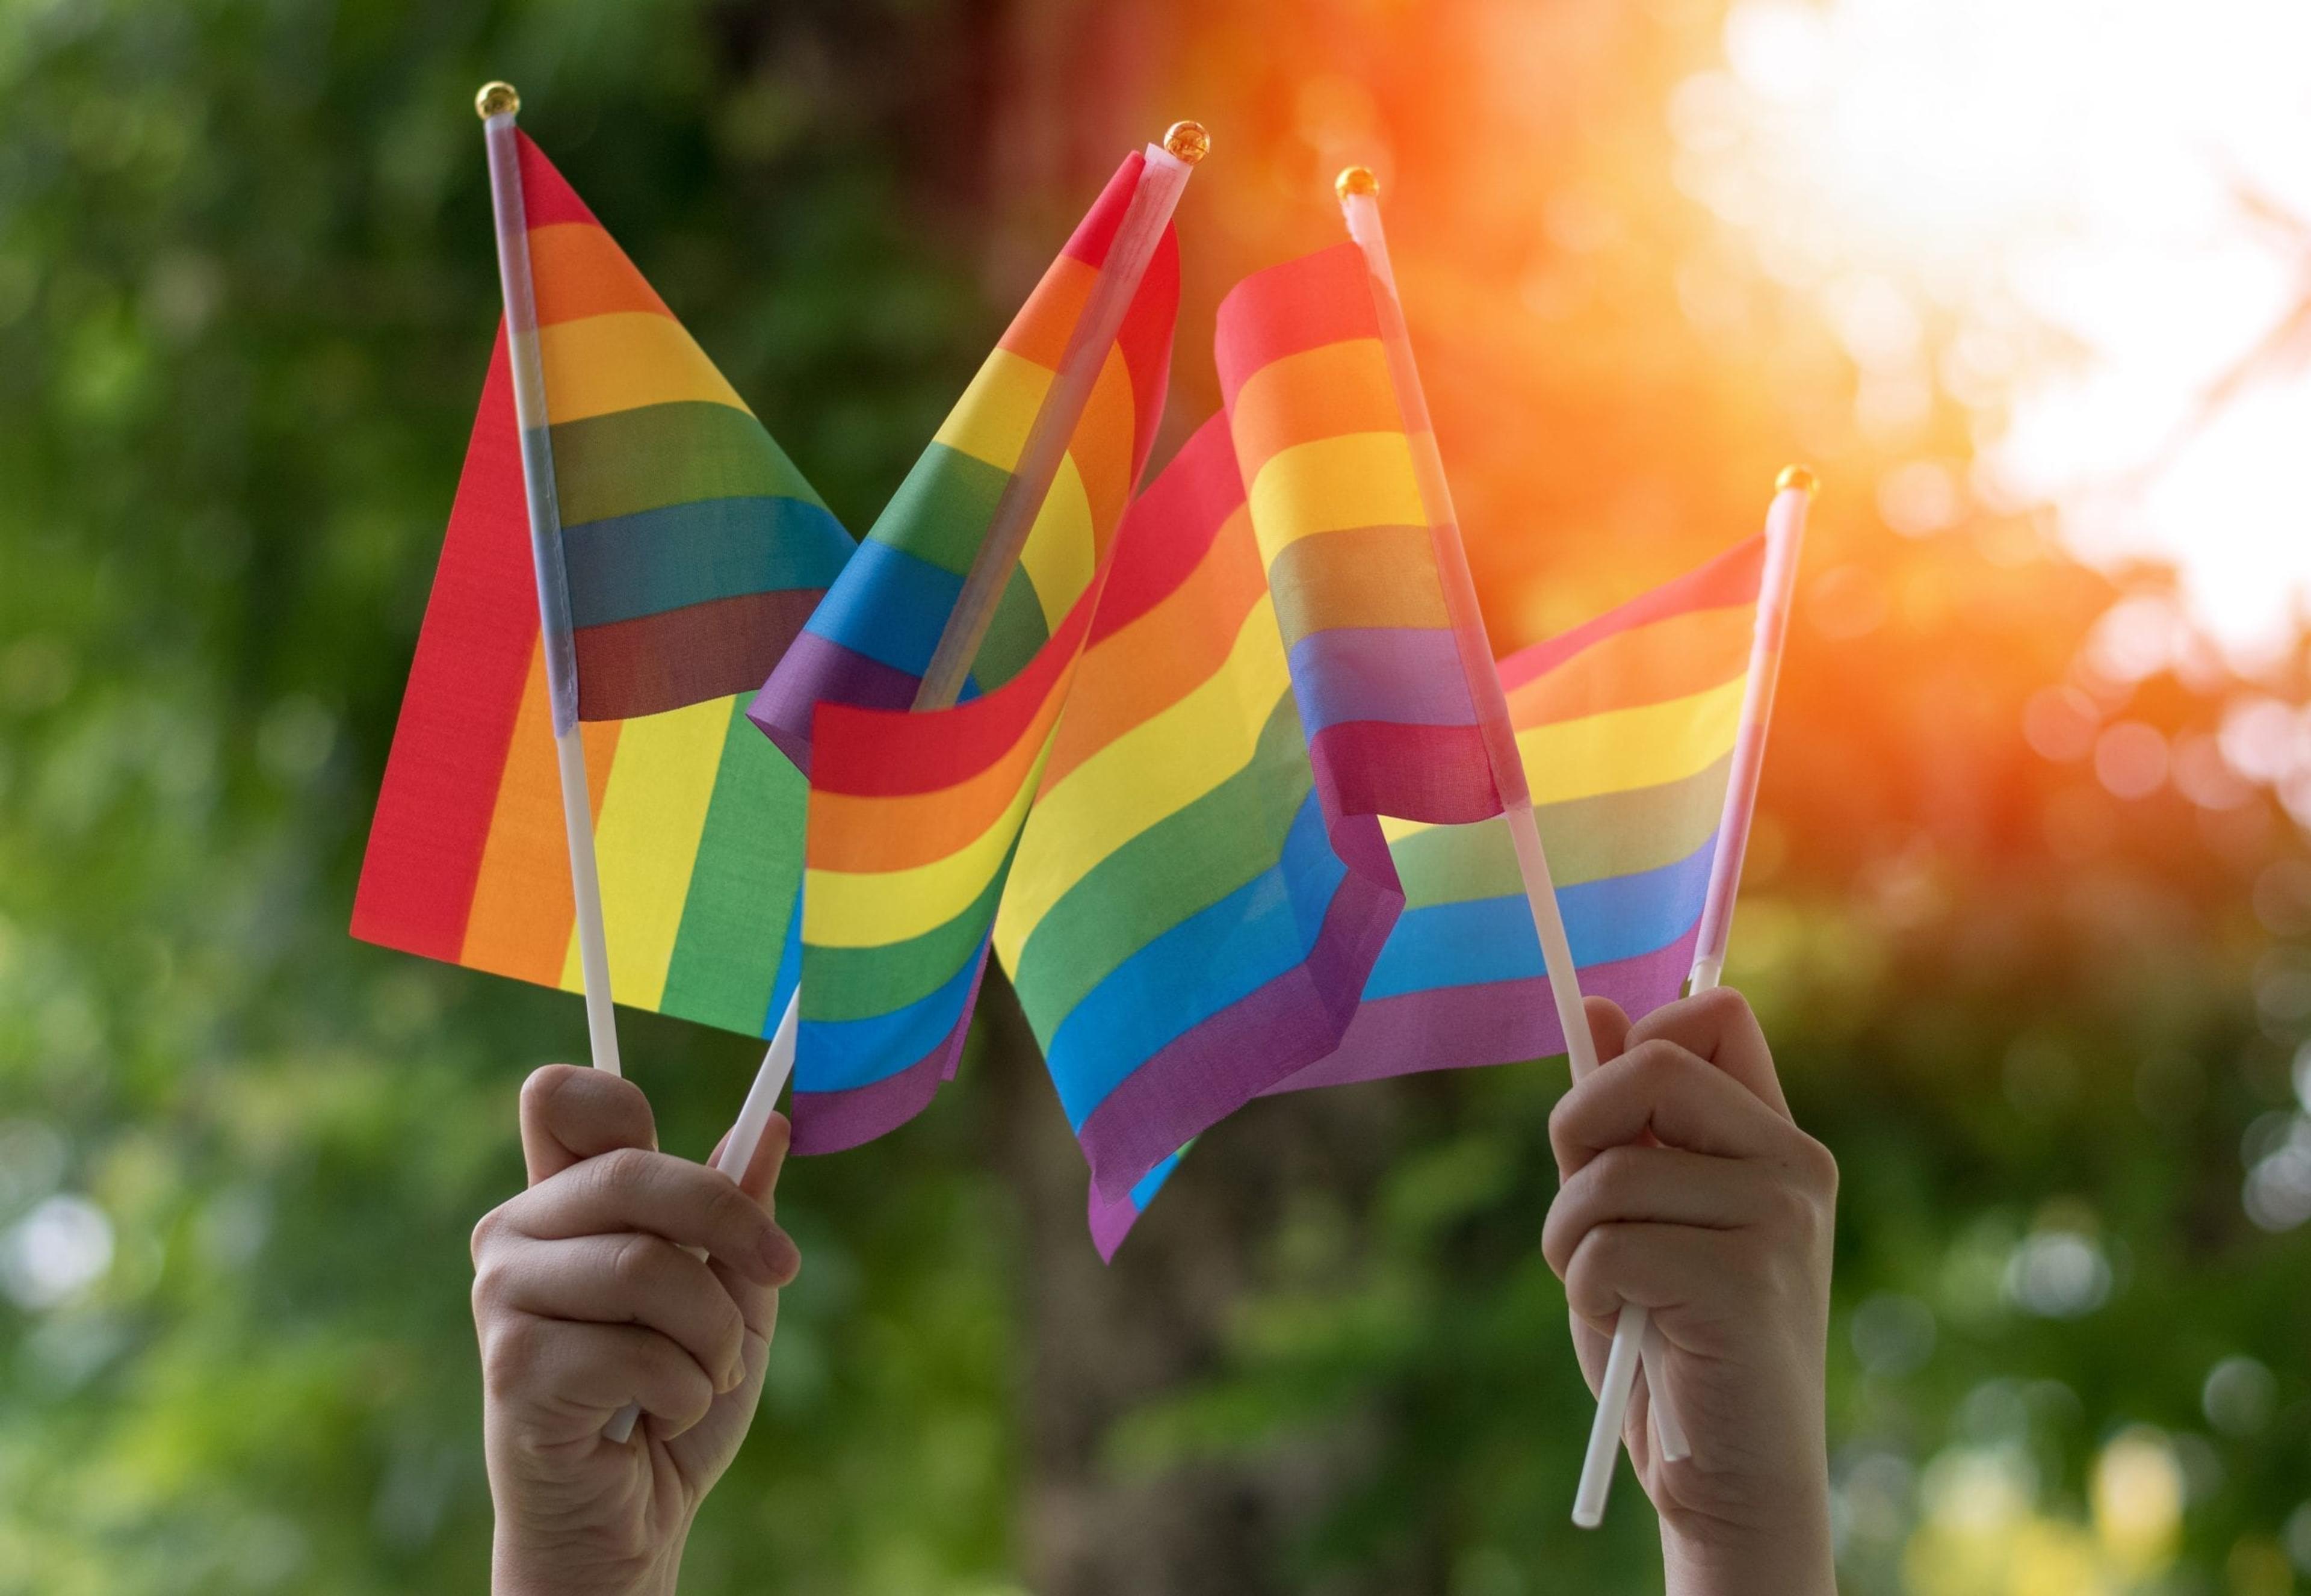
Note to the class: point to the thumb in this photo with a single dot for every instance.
(1608, 1026)
(761, 1179)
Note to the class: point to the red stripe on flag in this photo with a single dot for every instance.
(1324, 298)
(1730, 579)
(458, 714)
(546, 195)
(1171, 526)
(892, 752)
(1436, 773)
(1089, 241)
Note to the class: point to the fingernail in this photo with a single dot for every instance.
(780, 1254)
(733, 1374)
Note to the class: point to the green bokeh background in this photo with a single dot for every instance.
(245, 295)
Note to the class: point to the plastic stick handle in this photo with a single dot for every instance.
(1153, 200)
(737, 1154)
(512, 227)
(1612, 1408)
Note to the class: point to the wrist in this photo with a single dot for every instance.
(520, 1565)
(1719, 1559)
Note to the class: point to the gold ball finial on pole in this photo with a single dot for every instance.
(1188, 142)
(496, 100)
(1353, 180)
(1799, 477)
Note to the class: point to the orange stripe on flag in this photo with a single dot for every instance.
(1101, 445)
(1161, 657)
(1040, 330)
(518, 924)
(871, 835)
(577, 271)
(1329, 391)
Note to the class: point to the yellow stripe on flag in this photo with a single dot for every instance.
(1359, 479)
(646, 842)
(847, 909)
(1157, 768)
(1058, 556)
(607, 364)
(992, 421)
(1622, 749)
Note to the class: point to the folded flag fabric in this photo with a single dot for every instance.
(914, 817)
(694, 546)
(870, 642)
(1183, 928)
(1626, 728)
(695, 550)
(1351, 550)
(1111, 1219)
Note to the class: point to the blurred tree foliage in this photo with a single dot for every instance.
(245, 293)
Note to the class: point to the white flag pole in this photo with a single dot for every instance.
(1784, 532)
(1162, 181)
(1152, 201)
(1359, 195)
(1785, 524)
(497, 104)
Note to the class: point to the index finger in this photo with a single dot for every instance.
(688, 1204)
(1681, 1099)
(1719, 1025)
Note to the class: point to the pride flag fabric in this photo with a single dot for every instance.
(1626, 728)
(695, 550)
(871, 639)
(694, 546)
(1183, 926)
(1353, 556)
(913, 821)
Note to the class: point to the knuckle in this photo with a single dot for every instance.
(511, 1350)
(489, 1283)
(1657, 1060)
(1817, 1167)
(636, 1261)
(487, 1231)
(1617, 1174)
(621, 1172)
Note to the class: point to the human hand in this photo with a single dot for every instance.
(590, 1294)
(1689, 1191)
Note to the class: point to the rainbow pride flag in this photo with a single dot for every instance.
(870, 642)
(914, 817)
(1626, 728)
(695, 550)
(913, 821)
(1183, 926)
(1352, 554)
(694, 547)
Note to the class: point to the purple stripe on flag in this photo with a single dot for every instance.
(1112, 1220)
(1409, 675)
(1503, 1022)
(1206, 1073)
(833, 674)
(836, 1122)
(1379, 767)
